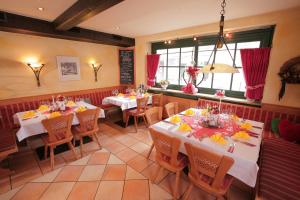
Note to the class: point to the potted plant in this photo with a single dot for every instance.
(164, 84)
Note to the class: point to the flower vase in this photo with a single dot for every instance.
(164, 87)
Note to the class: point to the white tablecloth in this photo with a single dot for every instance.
(34, 126)
(245, 157)
(124, 103)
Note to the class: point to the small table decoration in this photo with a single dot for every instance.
(164, 84)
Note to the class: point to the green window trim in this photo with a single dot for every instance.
(264, 35)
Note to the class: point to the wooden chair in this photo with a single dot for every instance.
(153, 115)
(59, 132)
(138, 112)
(171, 108)
(168, 156)
(7, 146)
(208, 171)
(88, 126)
(157, 100)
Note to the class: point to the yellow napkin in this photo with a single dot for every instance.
(184, 127)
(175, 119)
(43, 108)
(54, 114)
(246, 126)
(204, 112)
(120, 95)
(132, 97)
(218, 138)
(146, 94)
(241, 135)
(189, 112)
(234, 118)
(28, 115)
(71, 104)
(81, 109)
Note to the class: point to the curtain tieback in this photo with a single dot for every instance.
(151, 79)
(255, 86)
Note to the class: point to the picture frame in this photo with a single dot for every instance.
(68, 68)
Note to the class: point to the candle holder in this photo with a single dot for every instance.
(36, 68)
(96, 69)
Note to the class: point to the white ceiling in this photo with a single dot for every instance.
(143, 17)
(52, 8)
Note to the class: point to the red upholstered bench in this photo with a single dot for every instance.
(279, 176)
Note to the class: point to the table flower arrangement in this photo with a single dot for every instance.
(220, 94)
(164, 84)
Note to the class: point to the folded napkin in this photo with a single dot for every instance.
(54, 114)
(218, 138)
(146, 94)
(241, 135)
(43, 108)
(132, 97)
(81, 109)
(189, 112)
(184, 127)
(175, 119)
(246, 126)
(71, 104)
(120, 95)
(29, 115)
(204, 112)
(235, 118)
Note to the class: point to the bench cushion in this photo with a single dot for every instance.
(279, 170)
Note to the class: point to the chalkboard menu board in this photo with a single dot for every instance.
(126, 61)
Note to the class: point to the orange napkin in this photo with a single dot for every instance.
(28, 115)
(54, 114)
(184, 127)
(218, 138)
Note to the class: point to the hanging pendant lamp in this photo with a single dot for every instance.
(219, 67)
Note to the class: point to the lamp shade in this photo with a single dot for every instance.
(219, 68)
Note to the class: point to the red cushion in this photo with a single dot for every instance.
(289, 131)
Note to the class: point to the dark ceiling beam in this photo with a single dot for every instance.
(81, 11)
(26, 25)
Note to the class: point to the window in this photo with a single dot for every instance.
(175, 57)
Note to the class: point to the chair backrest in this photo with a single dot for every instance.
(208, 167)
(141, 104)
(171, 108)
(88, 119)
(157, 100)
(167, 147)
(153, 115)
(58, 128)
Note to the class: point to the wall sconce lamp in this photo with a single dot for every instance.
(36, 68)
(96, 69)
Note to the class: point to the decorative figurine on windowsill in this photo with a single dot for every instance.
(164, 84)
(191, 84)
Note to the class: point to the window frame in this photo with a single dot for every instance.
(264, 35)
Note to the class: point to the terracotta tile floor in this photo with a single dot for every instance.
(118, 171)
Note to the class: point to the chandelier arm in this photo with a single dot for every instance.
(228, 51)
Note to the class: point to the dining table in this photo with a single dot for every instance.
(244, 151)
(125, 102)
(33, 125)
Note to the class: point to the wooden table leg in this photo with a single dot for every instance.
(124, 116)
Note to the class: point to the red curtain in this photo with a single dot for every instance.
(152, 65)
(255, 65)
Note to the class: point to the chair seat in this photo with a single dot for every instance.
(79, 133)
(182, 160)
(135, 112)
(207, 180)
(60, 139)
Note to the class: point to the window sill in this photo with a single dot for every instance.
(178, 93)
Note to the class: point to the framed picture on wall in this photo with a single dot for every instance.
(68, 68)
